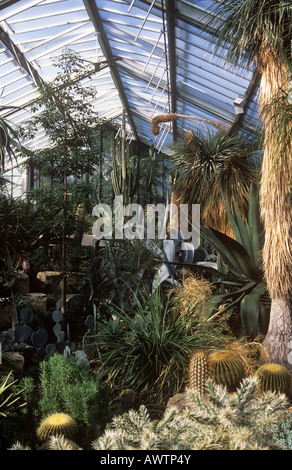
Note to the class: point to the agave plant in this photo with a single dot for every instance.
(243, 280)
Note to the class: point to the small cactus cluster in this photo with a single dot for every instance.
(274, 378)
(57, 424)
(225, 367)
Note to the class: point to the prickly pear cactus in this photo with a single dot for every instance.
(274, 378)
(57, 424)
(198, 372)
(226, 368)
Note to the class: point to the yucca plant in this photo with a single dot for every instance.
(146, 345)
(205, 164)
(243, 279)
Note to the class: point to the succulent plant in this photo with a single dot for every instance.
(198, 371)
(57, 424)
(226, 368)
(274, 378)
(59, 443)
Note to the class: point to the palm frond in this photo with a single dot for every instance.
(252, 25)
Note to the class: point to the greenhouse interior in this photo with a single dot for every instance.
(146, 222)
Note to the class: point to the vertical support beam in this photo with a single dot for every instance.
(170, 17)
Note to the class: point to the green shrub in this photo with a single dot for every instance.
(65, 386)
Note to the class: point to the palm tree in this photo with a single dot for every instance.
(209, 162)
(260, 32)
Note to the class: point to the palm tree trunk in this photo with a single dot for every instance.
(278, 339)
(276, 212)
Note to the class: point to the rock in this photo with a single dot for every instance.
(75, 301)
(178, 401)
(13, 360)
(5, 316)
(37, 300)
(21, 283)
(87, 240)
(49, 280)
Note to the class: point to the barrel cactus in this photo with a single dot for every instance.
(57, 424)
(274, 377)
(226, 368)
(198, 371)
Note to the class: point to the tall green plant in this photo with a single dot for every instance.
(10, 139)
(68, 119)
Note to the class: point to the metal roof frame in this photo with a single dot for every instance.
(167, 62)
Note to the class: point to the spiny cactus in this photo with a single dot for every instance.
(198, 371)
(60, 443)
(57, 424)
(226, 368)
(218, 421)
(19, 446)
(274, 378)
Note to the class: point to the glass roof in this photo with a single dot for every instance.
(160, 59)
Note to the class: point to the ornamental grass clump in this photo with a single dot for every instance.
(217, 421)
(194, 294)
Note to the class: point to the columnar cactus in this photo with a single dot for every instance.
(198, 371)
